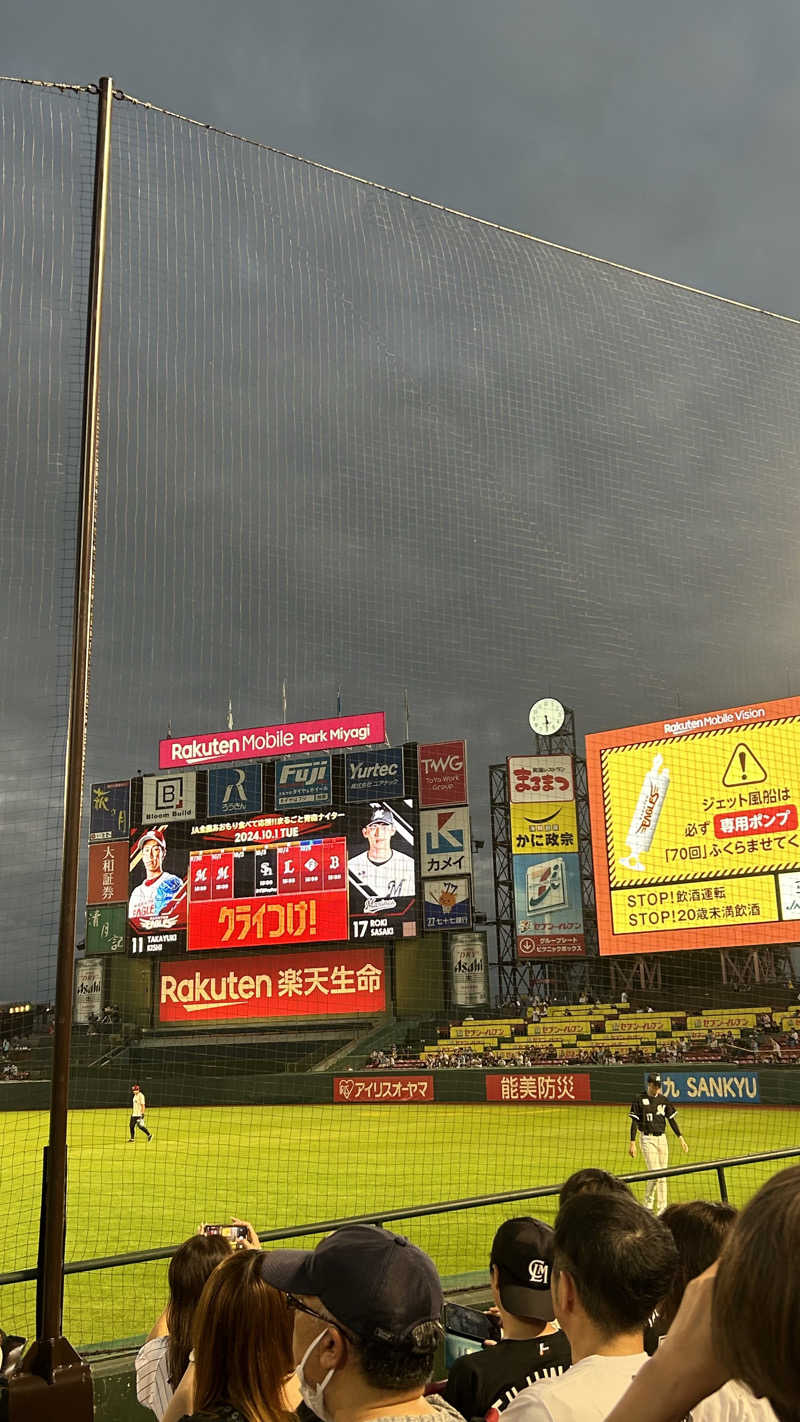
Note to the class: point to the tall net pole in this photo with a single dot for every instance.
(51, 1358)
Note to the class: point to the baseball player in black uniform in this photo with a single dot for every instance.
(649, 1115)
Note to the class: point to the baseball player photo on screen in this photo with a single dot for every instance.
(157, 903)
(381, 869)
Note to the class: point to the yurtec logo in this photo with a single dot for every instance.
(373, 772)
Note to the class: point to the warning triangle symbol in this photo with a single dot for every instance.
(744, 768)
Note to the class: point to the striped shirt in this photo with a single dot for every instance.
(152, 1384)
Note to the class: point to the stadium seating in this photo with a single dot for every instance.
(608, 1033)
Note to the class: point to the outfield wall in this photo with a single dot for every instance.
(775, 1086)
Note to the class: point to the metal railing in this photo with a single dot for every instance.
(443, 1207)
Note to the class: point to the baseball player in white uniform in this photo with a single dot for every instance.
(150, 900)
(650, 1113)
(382, 872)
(137, 1114)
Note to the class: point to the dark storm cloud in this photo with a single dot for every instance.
(664, 137)
(349, 440)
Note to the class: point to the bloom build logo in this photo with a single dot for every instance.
(275, 985)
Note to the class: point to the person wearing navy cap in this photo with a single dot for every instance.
(367, 1306)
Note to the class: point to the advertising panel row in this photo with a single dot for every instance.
(524, 1088)
(446, 864)
(695, 830)
(548, 902)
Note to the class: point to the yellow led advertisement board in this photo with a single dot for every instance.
(695, 832)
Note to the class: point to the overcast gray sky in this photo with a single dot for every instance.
(661, 136)
(346, 440)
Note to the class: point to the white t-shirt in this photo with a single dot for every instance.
(137, 1106)
(152, 1384)
(586, 1392)
(733, 1403)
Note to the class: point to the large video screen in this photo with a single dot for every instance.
(695, 830)
(344, 874)
(231, 878)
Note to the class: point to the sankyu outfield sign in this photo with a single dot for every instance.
(712, 1088)
(259, 742)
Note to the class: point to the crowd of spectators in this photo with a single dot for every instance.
(12, 1055)
(614, 1314)
(768, 1042)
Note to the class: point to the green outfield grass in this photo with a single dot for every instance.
(287, 1165)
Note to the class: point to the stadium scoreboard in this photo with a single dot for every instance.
(695, 832)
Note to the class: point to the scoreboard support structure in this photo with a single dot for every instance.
(543, 976)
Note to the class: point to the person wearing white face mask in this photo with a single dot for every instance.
(367, 1307)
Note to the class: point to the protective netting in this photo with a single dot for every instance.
(47, 140)
(359, 455)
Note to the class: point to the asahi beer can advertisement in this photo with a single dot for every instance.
(469, 975)
(88, 1002)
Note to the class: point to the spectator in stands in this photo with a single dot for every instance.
(162, 1360)
(241, 1368)
(613, 1262)
(591, 1181)
(699, 1229)
(740, 1319)
(520, 1265)
(623, 997)
(367, 1306)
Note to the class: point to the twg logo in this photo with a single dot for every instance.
(442, 765)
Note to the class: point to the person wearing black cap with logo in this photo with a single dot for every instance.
(483, 1384)
(367, 1307)
(649, 1115)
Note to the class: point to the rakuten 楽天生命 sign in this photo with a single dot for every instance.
(257, 742)
(334, 982)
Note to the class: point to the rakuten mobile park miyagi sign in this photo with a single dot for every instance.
(259, 742)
